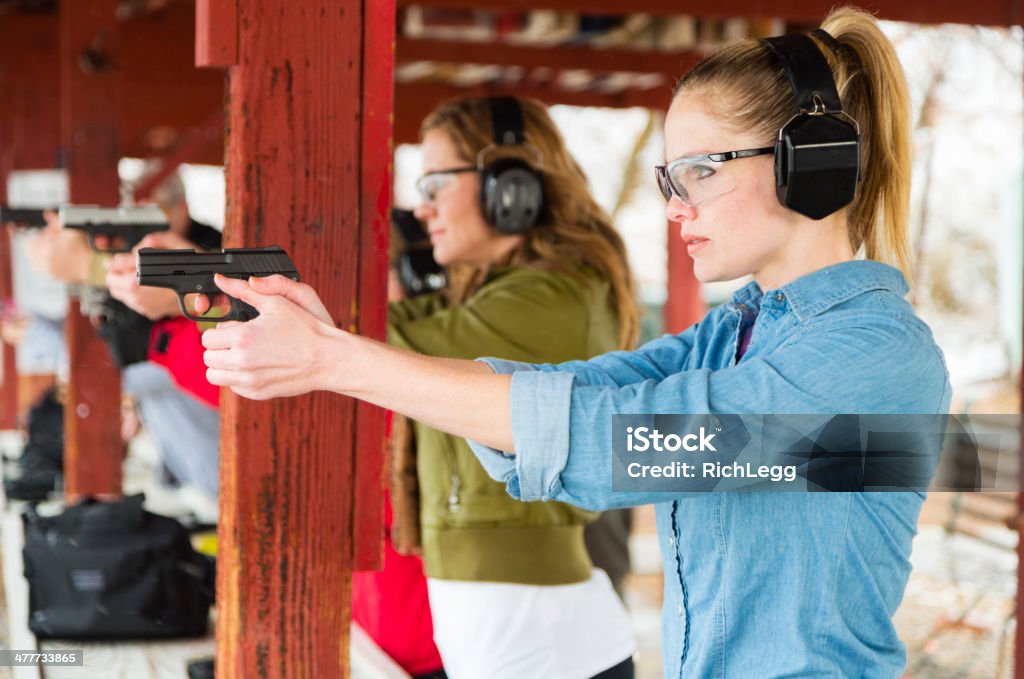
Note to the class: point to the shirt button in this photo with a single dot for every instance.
(779, 296)
(671, 542)
(679, 610)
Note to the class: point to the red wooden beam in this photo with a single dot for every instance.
(91, 91)
(993, 13)
(670, 64)
(375, 229)
(295, 120)
(413, 101)
(216, 33)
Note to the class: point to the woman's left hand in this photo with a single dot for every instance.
(285, 351)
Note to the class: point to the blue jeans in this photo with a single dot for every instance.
(186, 430)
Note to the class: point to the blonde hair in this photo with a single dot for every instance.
(750, 90)
(572, 233)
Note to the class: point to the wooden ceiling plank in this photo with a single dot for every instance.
(413, 101)
(996, 13)
(670, 64)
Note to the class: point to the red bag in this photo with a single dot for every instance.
(176, 344)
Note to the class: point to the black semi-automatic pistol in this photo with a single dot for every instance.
(190, 272)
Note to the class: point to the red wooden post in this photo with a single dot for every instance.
(375, 226)
(8, 367)
(303, 98)
(90, 87)
(29, 138)
(683, 305)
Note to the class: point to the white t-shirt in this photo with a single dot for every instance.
(510, 631)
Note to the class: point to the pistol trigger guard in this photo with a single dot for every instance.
(184, 309)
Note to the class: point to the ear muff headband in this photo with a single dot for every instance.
(511, 191)
(817, 153)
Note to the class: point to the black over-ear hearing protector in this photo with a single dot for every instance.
(418, 272)
(817, 153)
(511, 191)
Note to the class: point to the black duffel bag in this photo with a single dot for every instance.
(111, 570)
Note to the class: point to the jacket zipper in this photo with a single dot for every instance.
(453, 496)
(454, 504)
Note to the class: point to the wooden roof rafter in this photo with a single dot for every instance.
(669, 64)
(994, 13)
(413, 101)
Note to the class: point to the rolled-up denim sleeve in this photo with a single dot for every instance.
(540, 403)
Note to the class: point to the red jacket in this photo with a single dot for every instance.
(176, 344)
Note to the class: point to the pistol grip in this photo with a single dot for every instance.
(241, 311)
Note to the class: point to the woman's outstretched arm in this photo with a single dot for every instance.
(293, 348)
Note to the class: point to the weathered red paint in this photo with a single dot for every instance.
(216, 33)
(294, 152)
(375, 227)
(684, 305)
(93, 450)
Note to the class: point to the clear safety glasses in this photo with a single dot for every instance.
(429, 184)
(698, 179)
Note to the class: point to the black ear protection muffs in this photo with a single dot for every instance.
(417, 270)
(511, 191)
(817, 153)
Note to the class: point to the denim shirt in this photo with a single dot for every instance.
(756, 584)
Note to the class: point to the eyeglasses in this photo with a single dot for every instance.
(429, 184)
(698, 179)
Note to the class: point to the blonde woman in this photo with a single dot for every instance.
(756, 584)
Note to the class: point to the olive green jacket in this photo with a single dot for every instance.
(471, 528)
